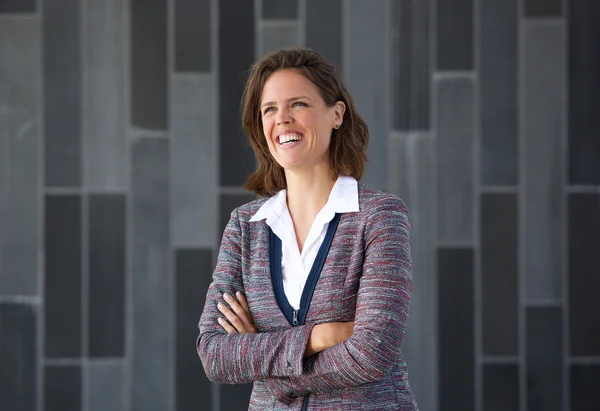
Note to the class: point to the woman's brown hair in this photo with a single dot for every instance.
(348, 146)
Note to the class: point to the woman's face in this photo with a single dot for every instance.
(296, 121)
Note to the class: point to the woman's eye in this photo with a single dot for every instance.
(268, 109)
(299, 103)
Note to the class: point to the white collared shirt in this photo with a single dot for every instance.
(295, 266)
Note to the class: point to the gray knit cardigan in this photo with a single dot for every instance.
(365, 277)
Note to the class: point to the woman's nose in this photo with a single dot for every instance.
(283, 117)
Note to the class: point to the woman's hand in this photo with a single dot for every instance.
(238, 317)
(327, 335)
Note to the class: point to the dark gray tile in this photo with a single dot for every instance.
(18, 356)
(456, 344)
(499, 274)
(544, 359)
(500, 387)
(193, 30)
(62, 388)
(584, 105)
(235, 397)
(455, 153)
(20, 147)
(193, 276)
(17, 6)
(228, 203)
(323, 28)
(367, 31)
(106, 253)
(236, 32)
(104, 97)
(411, 68)
(151, 279)
(148, 19)
(194, 171)
(62, 92)
(543, 165)
(105, 387)
(498, 92)
(584, 281)
(584, 387)
(277, 9)
(454, 33)
(543, 8)
(62, 294)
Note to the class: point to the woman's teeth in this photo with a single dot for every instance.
(286, 138)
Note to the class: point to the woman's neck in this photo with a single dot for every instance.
(307, 192)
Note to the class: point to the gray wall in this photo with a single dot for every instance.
(121, 157)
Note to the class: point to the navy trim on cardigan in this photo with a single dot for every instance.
(311, 281)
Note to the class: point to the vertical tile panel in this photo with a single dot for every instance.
(543, 8)
(193, 161)
(584, 387)
(411, 72)
(400, 181)
(543, 97)
(235, 397)
(20, 141)
(149, 64)
(236, 32)
(193, 276)
(106, 275)
(499, 274)
(420, 343)
(62, 92)
(544, 359)
(192, 35)
(62, 294)
(277, 9)
(275, 35)
(455, 153)
(17, 6)
(498, 92)
(367, 80)
(228, 203)
(151, 356)
(18, 356)
(62, 388)
(105, 387)
(456, 331)
(584, 102)
(104, 83)
(584, 281)
(454, 32)
(324, 29)
(500, 387)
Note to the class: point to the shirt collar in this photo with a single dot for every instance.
(342, 199)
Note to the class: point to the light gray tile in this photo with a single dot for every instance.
(275, 35)
(194, 169)
(367, 80)
(455, 153)
(104, 384)
(543, 121)
(20, 142)
(414, 186)
(104, 95)
(151, 305)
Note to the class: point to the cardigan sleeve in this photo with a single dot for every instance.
(243, 358)
(381, 316)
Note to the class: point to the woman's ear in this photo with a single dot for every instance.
(339, 109)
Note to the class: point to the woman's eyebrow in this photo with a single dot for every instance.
(270, 103)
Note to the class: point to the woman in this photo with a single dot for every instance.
(312, 287)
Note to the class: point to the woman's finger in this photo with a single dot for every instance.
(242, 311)
(233, 319)
(223, 323)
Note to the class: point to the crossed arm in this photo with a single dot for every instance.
(343, 358)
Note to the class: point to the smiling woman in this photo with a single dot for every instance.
(311, 292)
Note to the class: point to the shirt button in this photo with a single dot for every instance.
(290, 368)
